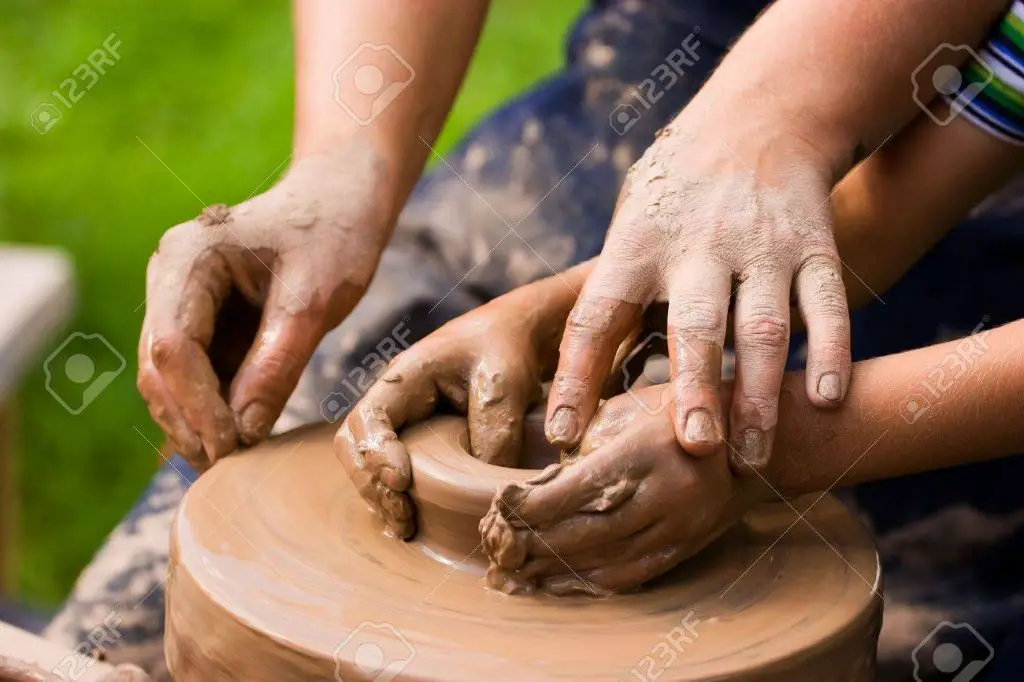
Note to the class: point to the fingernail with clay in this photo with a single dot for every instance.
(563, 426)
(829, 387)
(254, 423)
(700, 427)
(752, 447)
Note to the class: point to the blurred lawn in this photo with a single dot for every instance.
(208, 87)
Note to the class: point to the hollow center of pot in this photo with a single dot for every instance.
(452, 490)
(537, 452)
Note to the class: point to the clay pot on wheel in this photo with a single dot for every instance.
(279, 573)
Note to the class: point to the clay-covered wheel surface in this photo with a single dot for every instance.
(279, 572)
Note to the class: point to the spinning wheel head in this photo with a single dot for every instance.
(280, 573)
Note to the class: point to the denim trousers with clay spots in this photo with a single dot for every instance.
(529, 192)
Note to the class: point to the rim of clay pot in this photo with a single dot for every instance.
(452, 490)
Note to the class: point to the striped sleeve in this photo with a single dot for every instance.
(991, 91)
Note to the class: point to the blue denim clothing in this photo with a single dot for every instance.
(549, 164)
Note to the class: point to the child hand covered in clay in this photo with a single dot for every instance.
(896, 187)
(630, 507)
(489, 364)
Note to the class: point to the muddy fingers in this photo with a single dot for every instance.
(613, 518)
(500, 393)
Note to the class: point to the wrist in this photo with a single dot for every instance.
(344, 195)
(753, 119)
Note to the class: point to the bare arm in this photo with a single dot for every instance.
(239, 298)
(900, 201)
(730, 205)
(420, 49)
(930, 408)
(854, 61)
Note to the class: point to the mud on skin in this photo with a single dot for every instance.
(610, 519)
(487, 364)
(706, 215)
(238, 299)
(271, 584)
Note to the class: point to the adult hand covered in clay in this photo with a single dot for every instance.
(629, 508)
(239, 297)
(705, 215)
(488, 364)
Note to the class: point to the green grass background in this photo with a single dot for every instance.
(207, 85)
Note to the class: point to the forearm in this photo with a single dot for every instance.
(417, 54)
(836, 72)
(899, 202)
(935, 407)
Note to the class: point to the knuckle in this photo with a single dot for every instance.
(165, 349)
(814, 229)
(822, 263)
(763, 328)
(702, 317)
(823, 282)
(589, 321)
(169, 241)
(508, 369)
(762, 262)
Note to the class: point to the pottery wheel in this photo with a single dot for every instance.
(280, 573)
